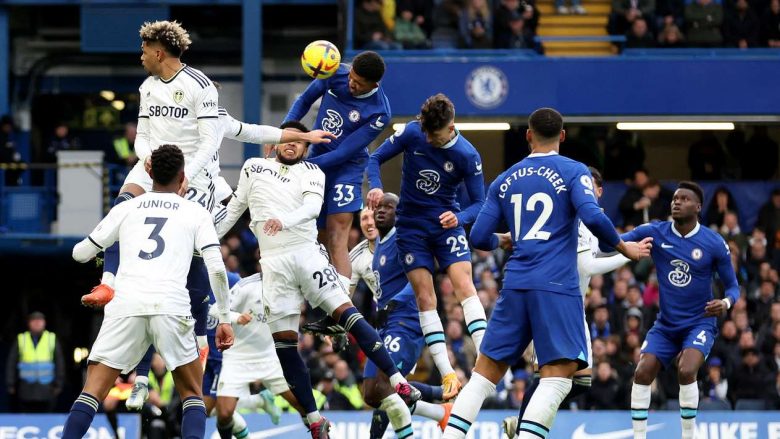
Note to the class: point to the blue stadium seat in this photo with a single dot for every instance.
(673, 404)
(750, 404)
(717, 404)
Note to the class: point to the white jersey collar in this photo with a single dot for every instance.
(452, 141)
(691, 233)
(167, 81)
(386, 237)
(365, 95)
(542, 154)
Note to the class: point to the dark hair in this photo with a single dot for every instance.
(597, 178)
(652, 182)
(369, 65)
(547, 123)
(436, 112)
(167, 162)
(691, 186)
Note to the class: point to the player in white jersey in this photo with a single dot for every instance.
(252, 357)
(178, 105)
(231, 128)
(284, 197)
(362, 255)
(158, 232)
(590, 262)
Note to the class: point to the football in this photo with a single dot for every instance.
(320, 59)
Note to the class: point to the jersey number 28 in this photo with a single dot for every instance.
(536, 230)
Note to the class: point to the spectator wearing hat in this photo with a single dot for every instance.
(35, 370)
(715, 386)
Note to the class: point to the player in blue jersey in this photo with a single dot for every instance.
(355, 110)
(539, 198)
(437, 159)
(398, 323)
(686, 256)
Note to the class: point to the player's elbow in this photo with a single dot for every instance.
(481, 241)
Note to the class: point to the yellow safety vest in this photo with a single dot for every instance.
(166, 393)
(36, 362)
(122, 148)
(352, 393)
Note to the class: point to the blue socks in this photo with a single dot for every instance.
(379, 423)
(111, 254)
(368, 339)
(225, 431)
(142, 370)
(193, 419)
(296, 373)
(80, 418)
(429, 393)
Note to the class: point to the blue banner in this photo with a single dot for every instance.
(568, 425)
(49, 426)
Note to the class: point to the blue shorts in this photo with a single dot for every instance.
(666, 343)
(341, 196)
(403, 338)
(199, 288)
(554, 321)
(421, 246)
(211, 378)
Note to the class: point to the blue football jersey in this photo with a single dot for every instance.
(390, 276)
(685, 266)
(211, 334)
(354, 120)
(540, 198)
(431, 176)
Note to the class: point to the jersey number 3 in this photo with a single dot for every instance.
(154, 236)
(547, 208)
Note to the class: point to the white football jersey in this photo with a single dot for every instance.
(253, 341)
(174, 108)
(361, 257)
(157, 233)
(269, 188)
(586, 242)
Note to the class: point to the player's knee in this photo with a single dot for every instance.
(686, 373)
(643, 375)
(370, 394)
(224, 414)
(124, 196)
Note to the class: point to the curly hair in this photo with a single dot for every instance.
(174, 38)
(369, 65)
(437, 111)
(167, 162)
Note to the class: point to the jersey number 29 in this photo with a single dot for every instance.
(536, 230)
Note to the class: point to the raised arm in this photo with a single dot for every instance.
(350, 146)
(208, 122)
(475, 186)
(103, 236)
(301, 106)
(483, 236)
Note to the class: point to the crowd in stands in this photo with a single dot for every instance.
(696, 23)
(423, 24)
(506, 24)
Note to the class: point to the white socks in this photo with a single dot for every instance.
(239, 423)
(434, 338)
(399, 415)
(108, 279)
(476, 321)
(251, 402)
(142, 380)
(467, 405)
(313, 417)
(397, 379)
(428, 410)
(640, 403)
(689, 405)
(541, 410)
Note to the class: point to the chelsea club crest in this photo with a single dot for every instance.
(487, 87)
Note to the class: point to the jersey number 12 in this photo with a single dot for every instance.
(536, 230)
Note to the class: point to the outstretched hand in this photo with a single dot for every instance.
(224, 336)
(636, 250)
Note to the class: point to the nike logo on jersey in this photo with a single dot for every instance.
(459, 254)
(580, 433)
(418, 153)
(665, 245)
(330, 92)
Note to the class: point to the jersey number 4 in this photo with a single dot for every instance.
(154, 236)
(536, 230)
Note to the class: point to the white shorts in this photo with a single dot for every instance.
(304, 272)
(235, 377)
(222, 189)
(123, 341)
(200, 190)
